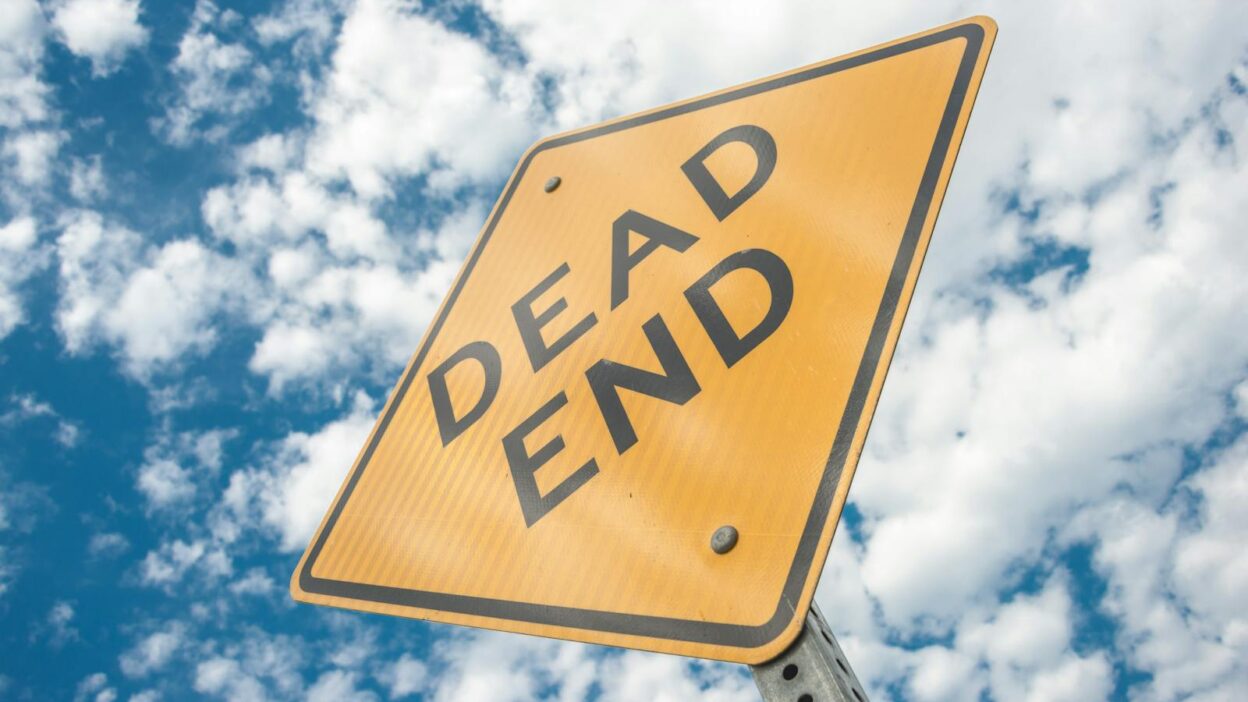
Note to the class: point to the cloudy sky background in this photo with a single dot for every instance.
(223, 231)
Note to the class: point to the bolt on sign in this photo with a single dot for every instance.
(635, 418)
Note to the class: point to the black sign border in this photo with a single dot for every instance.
(714, 633)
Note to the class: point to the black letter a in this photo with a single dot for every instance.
(657, 234)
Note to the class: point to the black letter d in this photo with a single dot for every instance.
(711, 191)
(485, 354)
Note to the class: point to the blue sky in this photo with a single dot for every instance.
(224, 226)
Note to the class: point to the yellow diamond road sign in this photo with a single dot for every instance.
(672, 322)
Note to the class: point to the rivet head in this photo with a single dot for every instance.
(553, 183)
(724, 539)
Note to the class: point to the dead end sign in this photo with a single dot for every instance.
(672, 322)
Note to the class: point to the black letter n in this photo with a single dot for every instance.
(677, 385)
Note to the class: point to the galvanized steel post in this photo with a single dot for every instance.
(813, 669)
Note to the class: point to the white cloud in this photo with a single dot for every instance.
(1027, 647)
(1175, 580)
(605, 65)
(255, 582)
(257, 668)
(22, 93)
(175, 466)
(292, 492)
(343, 317)
(167, 308)
(60, 630)
(354, 645)
(338, 686)
(86, 179)
(254, 213)
(942, 673)
(641, 676)
(29, 139)
(179, 394)
(100, 30)
(24, 408)
(1064, 396)
(310, 24)
(107, 545)
(1240, 398)
(1021, 648)
(153, 652)
(1138, 381)
(223, 677)
(405, 677)
(18, 235)
(67, 434)
(155, 304)
(271, 152)
(1211, 567)
(347, 291)
(93, 257)
(29, 156)
(408, 96)
(508, 668)
(341, 291)
(19, 260)
(165, 483)
(208, 447)
(8, 570)
(94, 688)
(22, 505)
(170, 563)
(219, 81)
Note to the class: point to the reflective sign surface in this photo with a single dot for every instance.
(671, 323)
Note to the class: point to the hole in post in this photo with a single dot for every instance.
(806, 698)
(857, 695)
(842, 664)
(789, 672)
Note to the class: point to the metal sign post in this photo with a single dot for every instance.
(813, 669)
